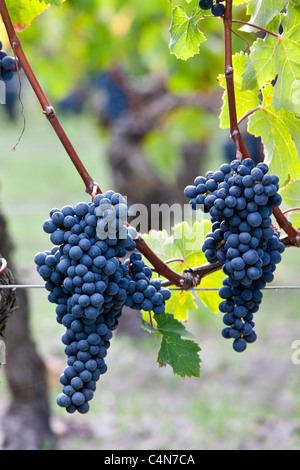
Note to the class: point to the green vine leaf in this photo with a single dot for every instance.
(291, 196)
(57, 3)
(167, 325)
(23, 12)
(185, 36)
(262, 12)
(209, 298)
(184, 246)
(278, 56)
(176, 351)
(291, 193)
(280, 132)
(180, 304)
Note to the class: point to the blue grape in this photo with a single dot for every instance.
(206, 4)
(7, 65)
(218, 9)
(243, 240)
(239, 345)
(78, 399)
(254, 219)
(91, 285)
(63, 400)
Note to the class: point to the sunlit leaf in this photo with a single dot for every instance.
(23, 12)
(278, 57)
(185, 36)
(280, 132)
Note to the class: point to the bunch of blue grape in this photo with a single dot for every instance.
(7, 65)
(88, 280)
(217, 9)
(240, 199)
(144, 293)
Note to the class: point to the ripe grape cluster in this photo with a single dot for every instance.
(90, 278)
(7, 65)
(217, 9)
(240, 199)
(144, 293)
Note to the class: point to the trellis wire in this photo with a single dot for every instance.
(217, 289)
(33, 286)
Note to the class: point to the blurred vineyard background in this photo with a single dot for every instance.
(107, 70)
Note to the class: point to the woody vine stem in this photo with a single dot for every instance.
(190, 277)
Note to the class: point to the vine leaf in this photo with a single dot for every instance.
(23, 12)
(185, 36)
(262, 12)
(280, 133)
(177, 348)
(211, 299)
(185, 246)
(291, 196)
(167, 325)
(278, 57)
(180, 354)
(180, 304)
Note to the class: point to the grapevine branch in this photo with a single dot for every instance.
(245, 23)
(292, 209)
(266, 31)
(293, 238)
(249, 113)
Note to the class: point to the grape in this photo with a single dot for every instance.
(63, 400)
(254, 219)
(78, 399)
(146, 294)
(7, 65)
(206, 4)
(250, 257)
(239, 345)
(89, 283)
(218, 9)
(243, 239)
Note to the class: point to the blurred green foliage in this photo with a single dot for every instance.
(68, 47)
(84, 37)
